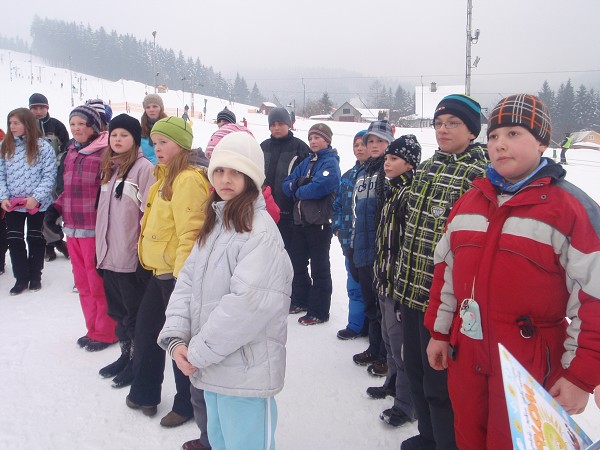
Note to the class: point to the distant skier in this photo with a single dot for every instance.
(566, 145)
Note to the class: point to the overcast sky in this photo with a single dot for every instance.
(401, 40)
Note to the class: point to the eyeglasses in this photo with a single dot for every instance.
(451, 124)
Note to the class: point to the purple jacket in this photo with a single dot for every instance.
(118, 221)
(77, 203)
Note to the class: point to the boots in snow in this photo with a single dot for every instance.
(125, 376)
(116, 367)
(61, 246)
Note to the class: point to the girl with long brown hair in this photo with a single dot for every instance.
(27, 178)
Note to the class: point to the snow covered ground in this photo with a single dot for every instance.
(51, 396)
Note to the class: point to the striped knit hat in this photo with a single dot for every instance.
(221, 133)
(90, 115)
(463, 107)
(523, 110)
(104, 110)
(226, 115)
(320, 129)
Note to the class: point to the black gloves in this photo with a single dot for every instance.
(50, 219)
(302, 181)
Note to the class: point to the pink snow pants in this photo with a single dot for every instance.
(100, 327)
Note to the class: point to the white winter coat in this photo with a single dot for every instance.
(230, 305)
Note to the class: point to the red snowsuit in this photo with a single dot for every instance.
(529, 263)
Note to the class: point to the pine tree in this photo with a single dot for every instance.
(325, 104)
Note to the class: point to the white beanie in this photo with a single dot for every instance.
(239, 151)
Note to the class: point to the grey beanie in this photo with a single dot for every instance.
(280, 115)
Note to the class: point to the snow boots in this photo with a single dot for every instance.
(122, 368)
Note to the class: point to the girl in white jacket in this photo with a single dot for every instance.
(226, 323)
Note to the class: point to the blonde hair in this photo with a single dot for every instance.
(176, 165)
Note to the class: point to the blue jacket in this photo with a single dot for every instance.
(343, 214)
(18, 179)
(369, 192)
(323, 180)
(148, 150)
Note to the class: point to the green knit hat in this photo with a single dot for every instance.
(176, 129)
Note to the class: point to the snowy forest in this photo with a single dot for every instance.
(115, 56)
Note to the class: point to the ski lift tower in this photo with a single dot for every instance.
(472, 38)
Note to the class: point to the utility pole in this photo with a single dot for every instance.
(154, 60)
(471, 39)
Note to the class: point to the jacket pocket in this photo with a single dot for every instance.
(158, 248)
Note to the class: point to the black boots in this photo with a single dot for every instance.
(125, 376)
(116, 367)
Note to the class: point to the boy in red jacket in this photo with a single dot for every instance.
(519, 255)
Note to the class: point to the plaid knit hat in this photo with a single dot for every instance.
(239, 151)
(226, 115)
(38, 100)
(153, 99)
(463, 107)
(90, 115)
(127, 123)
(221, 133)
(320, 129)
(380, 128)
(176, 129)
(280, 115)
(406, 147)
(101, 108)
(523, 110)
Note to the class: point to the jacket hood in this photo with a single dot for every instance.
(328, 152)
(100, 143)
(553, 170)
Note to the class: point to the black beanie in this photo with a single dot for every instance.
(38, 100)
(226, 115)
(127, 123)
(463, 107)
(280, 115)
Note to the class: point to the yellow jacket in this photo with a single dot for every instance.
(169, 228)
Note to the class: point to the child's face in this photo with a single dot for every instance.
(452, 140)
(229, 183)
(394, 166)
(121, 140)
(360, 150)
(376, 146)
(514, 152)
(316, 143)
(164, 148)
(152, 111)
(39, 111)
(16, 126)
(279, 129)
(80, 131)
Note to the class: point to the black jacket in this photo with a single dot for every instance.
(282, 155)
(54, 127)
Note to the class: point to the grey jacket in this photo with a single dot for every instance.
(230, 305)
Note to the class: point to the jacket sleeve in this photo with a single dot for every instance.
(336, 223)
(256, 297)
(289, 184)
(146, 180)
(188, 204)
(178, 321)
(442, 302)
(325, 180)
(63, 135)
(48, 177)
(582, 265)
(3, 182)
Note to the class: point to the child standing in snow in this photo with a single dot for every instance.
(226, 323)
(126, 178)
(520, 253)
(341, 226)
(27, 177)
(77, 205)
(174, 214)
(313, 186)
(400, 160)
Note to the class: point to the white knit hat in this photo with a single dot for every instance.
(241, 152)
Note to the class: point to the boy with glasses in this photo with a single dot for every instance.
(439, 182)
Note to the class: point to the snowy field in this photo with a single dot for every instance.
(51, 396)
